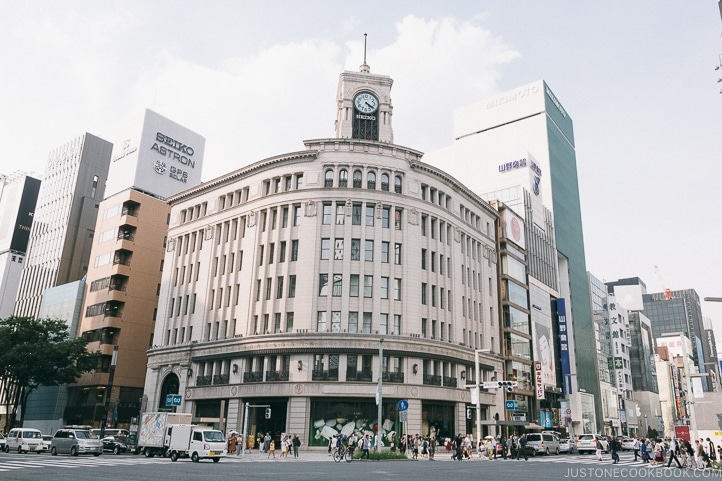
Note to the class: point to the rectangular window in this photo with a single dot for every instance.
(370, 208)
(282, 252)
(338, 249)
(356, 214)
(296, 215)
(423, 259)
(383, 324)
(397, 324)
(323, 285)
(397, 254)
(424, 289)
(340, 214)
(294, 250)
(369, 251)
(397, 219)
(325, 249)
(384, 288)
(260, 254)
(385, 217)
(292, 286)
(284, 217)
(355, 249)
(289, 322)
(397, 289)
(366, 329)
(337, 285)
(384, 252)
(277, 322)
(326, 217)
(321, 321)
(279, 287)
(368, 286)
(335, 321)
(353, 322)
(268, 287)
(424, 218)
(353, 285)
(271, 252)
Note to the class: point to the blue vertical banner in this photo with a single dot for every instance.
(564, 345)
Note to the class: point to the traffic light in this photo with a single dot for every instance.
(508, 385)
(268, 413)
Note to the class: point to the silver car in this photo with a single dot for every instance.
(75, 441)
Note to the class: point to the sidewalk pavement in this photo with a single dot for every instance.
(316, 454)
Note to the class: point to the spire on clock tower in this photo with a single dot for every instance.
(364, 107)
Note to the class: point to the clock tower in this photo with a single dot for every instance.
(364, 106)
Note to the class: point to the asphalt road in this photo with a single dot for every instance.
(318, 466)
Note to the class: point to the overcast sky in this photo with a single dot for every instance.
(258, 78)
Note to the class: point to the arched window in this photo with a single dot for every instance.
(343, 178)
(329, 178)
(371, 180)
(171, 385)
(357, 179)
(385, 182)
(397, 184)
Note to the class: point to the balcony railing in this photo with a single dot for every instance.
(129, 211)
(360, 376)
(371, 185)
(126, 236)
(397, 189)
(385, 186)
(327, 375)
(118, 287)
(450, 381)
(221, 378)
(343, 183)
(204, 380)
(121, 261)
(328, 183)
(276, 376)
(393, 377)
(253, 376)
(432, 380)
(357, 183)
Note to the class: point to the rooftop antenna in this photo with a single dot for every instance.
(364, 67)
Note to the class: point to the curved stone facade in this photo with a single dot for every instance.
(281, 278)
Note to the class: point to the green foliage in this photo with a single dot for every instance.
(38, 352)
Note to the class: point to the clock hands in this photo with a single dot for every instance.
(370, 106)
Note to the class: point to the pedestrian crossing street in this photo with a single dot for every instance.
(14, 462)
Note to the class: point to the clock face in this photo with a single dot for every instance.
(366, 103)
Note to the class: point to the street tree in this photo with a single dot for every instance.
(34, 353)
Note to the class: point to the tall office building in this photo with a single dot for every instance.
(64, 222)
(18, 196)
(524, 137)
(674, 312)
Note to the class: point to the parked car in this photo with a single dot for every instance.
(75, 441)
(47, 439)
(567, 445)
(588, 443)
(115, 444)
(543, 443)
(3, 442)
(24, 440)
(627, 444)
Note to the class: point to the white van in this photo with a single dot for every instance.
(543, 443)
(24, 440)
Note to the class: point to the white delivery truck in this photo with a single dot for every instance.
(153, 432)
(195, 442)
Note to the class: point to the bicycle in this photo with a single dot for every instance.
(342, 453)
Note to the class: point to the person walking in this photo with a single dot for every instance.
(643, 448)
(271, 449)
(365, 447)
(521, 448)
(636, 447)
(614, 449)
(672, 451)
(296, 442)
(598, 445)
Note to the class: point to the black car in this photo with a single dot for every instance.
(116, 444)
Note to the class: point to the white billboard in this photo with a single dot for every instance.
(158, 156)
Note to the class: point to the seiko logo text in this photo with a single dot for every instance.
(180, 152)
(365, 117)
